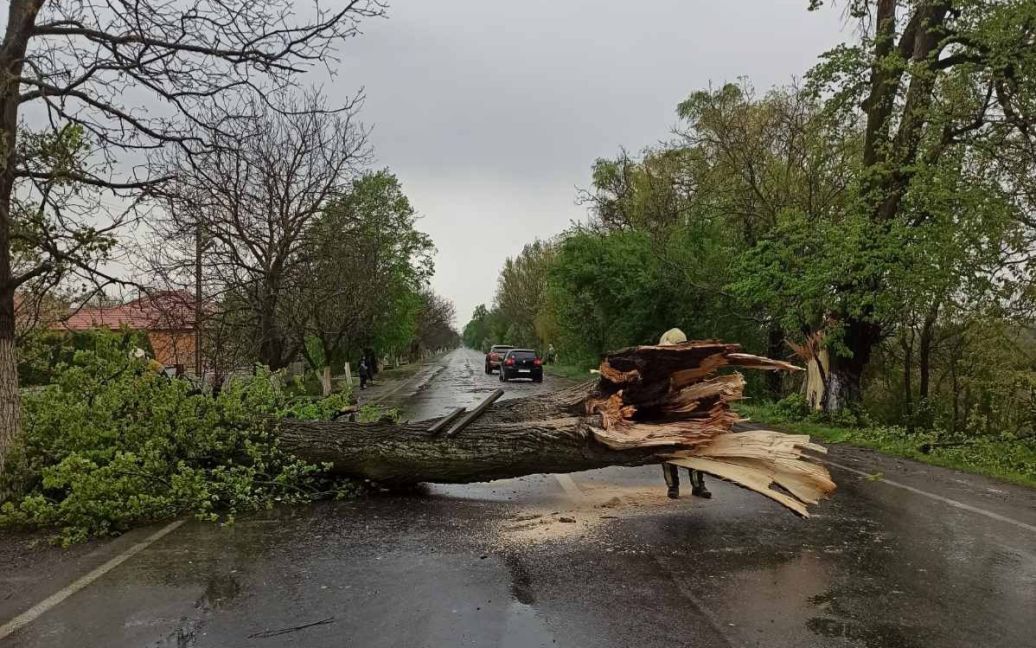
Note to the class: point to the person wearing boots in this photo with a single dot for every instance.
(671, 472)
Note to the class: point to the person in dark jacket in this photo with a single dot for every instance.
(364, 372)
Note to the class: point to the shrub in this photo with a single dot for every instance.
(111, 444)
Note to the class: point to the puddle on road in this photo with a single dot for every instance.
(460, 382)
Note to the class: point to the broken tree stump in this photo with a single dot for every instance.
(650, 404)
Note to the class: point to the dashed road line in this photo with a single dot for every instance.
(939, 498)
(33, 613)
(714, 621)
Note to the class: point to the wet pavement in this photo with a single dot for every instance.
(922, 557)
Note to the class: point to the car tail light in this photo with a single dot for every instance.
(537, 362)
(510, 362)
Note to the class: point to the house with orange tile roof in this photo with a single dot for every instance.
(166, 317)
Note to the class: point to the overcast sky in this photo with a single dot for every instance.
(492, 112)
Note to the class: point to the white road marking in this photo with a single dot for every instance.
(570, 486)
(714, 622)
(940, 498)
(33, 613)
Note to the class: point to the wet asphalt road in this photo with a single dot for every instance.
(924, 557)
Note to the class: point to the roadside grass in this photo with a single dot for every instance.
(1009, 459)
(568, 372)
(402, 372)
(396, 373)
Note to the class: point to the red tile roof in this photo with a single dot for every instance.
(160, 311)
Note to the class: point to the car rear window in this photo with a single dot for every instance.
(500, 348)
(523, 355)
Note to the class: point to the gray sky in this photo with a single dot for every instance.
(491, 113)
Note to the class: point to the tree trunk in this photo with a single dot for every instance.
(269, 340)
(908, 388)
(844, 386)
(651, 404)
(10, 397)
(20, 20)
(406, 454)
(774, 347)
(325, 380)
(815, 355)
(924, 352)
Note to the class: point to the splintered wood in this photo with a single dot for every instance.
(650, 404)
(649, 396)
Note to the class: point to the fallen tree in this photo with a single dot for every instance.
(650, 404)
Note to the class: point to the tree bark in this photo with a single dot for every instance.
(908, 388)
(10, 397)
(774, 345)
(890, 150)
(325, 380)
(924, 353)
(407, 454)
(20, 20)
(650, 405)
(845, 378)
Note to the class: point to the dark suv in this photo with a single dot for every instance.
(521, 363)
(496, 356)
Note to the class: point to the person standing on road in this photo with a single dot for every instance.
(364, 372)
(671, 472)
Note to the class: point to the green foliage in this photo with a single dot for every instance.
(477, 332)
(112, 444)
(1005, 456)
(520, 295)
(42, 353)
(885, 208)
(365, 269)
(606, 291)
(49, 241)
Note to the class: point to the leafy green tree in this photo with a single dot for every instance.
(363, 260)
(476, 333)
(520, 292)
(607, 291)
(927, 80)
(94, 72)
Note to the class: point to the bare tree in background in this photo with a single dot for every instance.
(435, 329)
(252, 200)
(90, 89)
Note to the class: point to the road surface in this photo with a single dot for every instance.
(918, 557)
